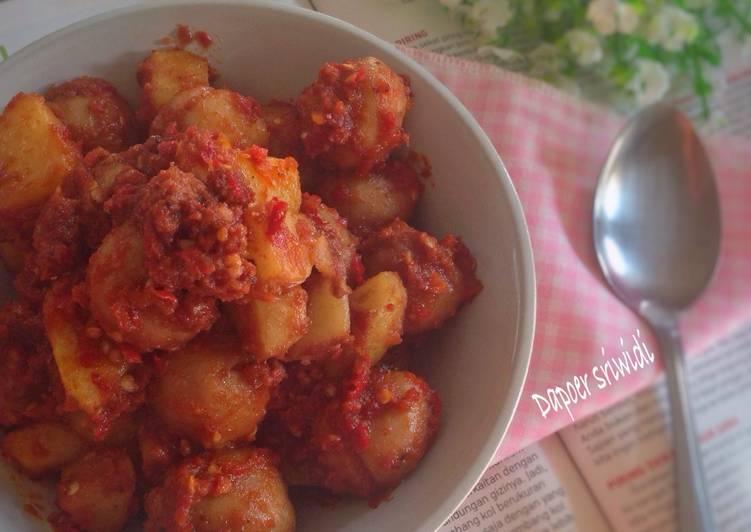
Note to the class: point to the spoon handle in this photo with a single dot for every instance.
(694, 509)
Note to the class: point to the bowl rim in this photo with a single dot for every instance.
(528, 296)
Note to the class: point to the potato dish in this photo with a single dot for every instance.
(216, 300)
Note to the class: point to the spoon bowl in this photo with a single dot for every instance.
(657, 223)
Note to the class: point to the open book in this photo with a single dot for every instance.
(614, 470)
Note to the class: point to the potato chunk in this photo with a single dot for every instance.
(164, 73)
(236, 116)
(94, 112)
(267, 177)
(378, 308)
(98, 383)
(36, 153)
(268, 328)
(207, 394)
(239, 490)
(42, 448)
(277, 247)
(329, 320)
(97, 490)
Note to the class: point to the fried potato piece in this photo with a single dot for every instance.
(329, 321)
(94, 112)
(224, 111)
(97, 490)
(229, 168)
(42, 448)
(163, 74)
(36, 153)
(278, 247)
(269, 327)
(378, 308)
(99, 383)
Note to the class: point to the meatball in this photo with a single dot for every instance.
(404, 420)
(94, 112)
(239, 490)
(366, 440)
(352, 114)
(96, 492)
(209, 395)
(374, 199)
(439, 275)
(129, 309)
(236, 116)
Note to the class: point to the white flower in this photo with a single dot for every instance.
(603, 15)
(611, 16)
(491, 15)
(451, 4)
(650, 82)
(628, 19)
(585, 46)
(672, 28)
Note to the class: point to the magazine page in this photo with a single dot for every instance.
(624, 453)
(537, 488)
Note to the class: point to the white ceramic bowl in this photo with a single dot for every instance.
(478, 363)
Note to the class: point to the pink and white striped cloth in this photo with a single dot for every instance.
(554, 146)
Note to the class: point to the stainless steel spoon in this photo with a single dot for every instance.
(657, 236)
